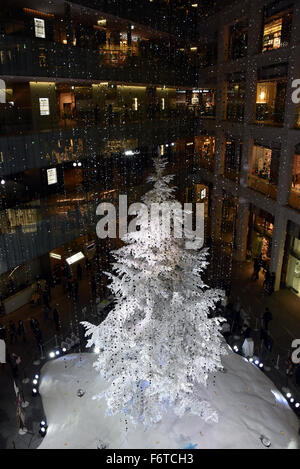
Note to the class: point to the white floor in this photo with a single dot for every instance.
(248, 405)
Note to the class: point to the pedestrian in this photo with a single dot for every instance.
(34, 324)
(21, 331)
(79, 272)
(267, 317)
(47, 311)
(56, 319)
(39, 340)
(14, 361)
(12, 332)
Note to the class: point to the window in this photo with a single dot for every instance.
(44, 106)
(270, 101)
(272, 35)
(295, 188)
(233, 156)
(238, 40)
(277, 31)
(39, 28)
(265, 170)
(235, 101)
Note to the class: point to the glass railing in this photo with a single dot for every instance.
(33, 57)
(269, 115)
(14, 120)
(63, 217)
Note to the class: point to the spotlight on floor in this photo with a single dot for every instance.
(43, 431)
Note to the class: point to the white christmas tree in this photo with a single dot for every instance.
(160, 340)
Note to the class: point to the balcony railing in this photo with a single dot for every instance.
(51, 147)
(269, 115)
(295, 199)
(64, 218)
(263, 186)
(35, 58)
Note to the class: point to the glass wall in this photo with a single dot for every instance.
(205, 152)
(295, 188)
(264, 170)
(270, 101)
(293, 271)
(235, 101)
(238, 40)
(277, 31)
(233, 158)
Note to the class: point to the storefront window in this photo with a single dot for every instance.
(238, 40)
(233, 156)
(270, 101)
(264, 173)
(295, 189)
(293, 272)
(277, 32)
(235, 101)
(205, 151)
(261, 234)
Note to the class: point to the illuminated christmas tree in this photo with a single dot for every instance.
(160, 340)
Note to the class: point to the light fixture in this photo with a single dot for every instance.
(57, 353)
(34, 391)
(51, 354)
(35, 382)
(64, 349)
(2, 182)
(96, 350)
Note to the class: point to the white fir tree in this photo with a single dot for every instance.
(159, 343)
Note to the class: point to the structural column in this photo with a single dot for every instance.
(278, 243)
(241, 235)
